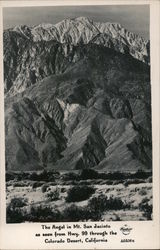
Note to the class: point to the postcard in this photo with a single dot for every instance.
(80, 125)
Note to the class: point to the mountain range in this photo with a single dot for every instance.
(77, 95)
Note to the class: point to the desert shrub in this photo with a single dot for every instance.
(144, 200)
(63, 190)
(88, 173)
(141, 174)
(117, 217)
(18, 176)
(116, 176)
(33, 176)
(79, 193)
(21, 176)
(9, 176)
(126, 183)
(147, 209)
(54, 175)
(25, 175)
(18, 202)
(72, 213)
(98, 203)
(43, 176)
(149, 179)
(93, 211)
(43, 214)
(142, 192)
(19, 184)
(103, 203)
(116, 203)
(53, 195)
(75, 213)
(69, 176)
(14, 212)
(14, 215)
(9, 183)
(28, 183)
(44, 188)
(37, 184)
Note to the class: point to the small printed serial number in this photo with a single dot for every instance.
(127, 240)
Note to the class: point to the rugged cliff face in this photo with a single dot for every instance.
(82, 30)
(77, 97)
(27, 48)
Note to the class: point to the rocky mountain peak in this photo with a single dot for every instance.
(84, 30)
(23, 30)
(83, 18)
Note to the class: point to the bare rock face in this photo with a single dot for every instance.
(32, 53)
(83, 30)
(77, 96)
(32, 137)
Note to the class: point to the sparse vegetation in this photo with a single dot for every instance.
(75, 213)
(19, 184)
(149, 179)
(53, 195)
(79, 193)
(14, 213)
(146, 208)
(43, 214)
(105, 200)
(37, 184)
(88, 174)
(9, 176)
(70, 176)
(142, 192)
(43, 176)
(44, 188)
(103, 203)
(18, 202)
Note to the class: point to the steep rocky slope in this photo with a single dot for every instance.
(78, 103)
(22, 44)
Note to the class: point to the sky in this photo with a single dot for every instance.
(135, 18)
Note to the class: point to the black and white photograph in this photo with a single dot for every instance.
(78, 116)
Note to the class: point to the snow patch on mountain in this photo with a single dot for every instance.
(83, 30)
